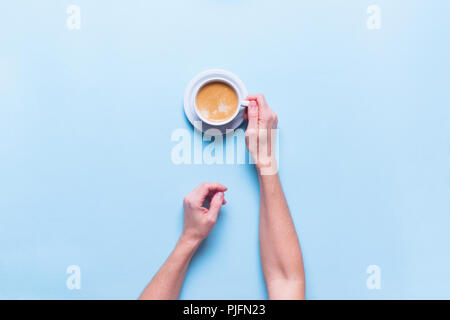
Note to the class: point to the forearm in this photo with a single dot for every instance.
(281, 255)
(167, 282)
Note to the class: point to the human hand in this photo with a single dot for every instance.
(198, 220)
(261, 132)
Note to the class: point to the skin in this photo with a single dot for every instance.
(281, 256)
(197, 224)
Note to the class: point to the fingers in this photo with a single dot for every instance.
(252, 114)
(260, 99)
(211, 195)
(216, 204)
(261, 134)
(202, 190)
(251, 135)
(266, 115)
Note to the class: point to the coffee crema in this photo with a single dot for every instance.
(217, 101)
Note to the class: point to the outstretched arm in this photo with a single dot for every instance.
(198, 223)
(281, 256)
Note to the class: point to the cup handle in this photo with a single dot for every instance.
(244, 104)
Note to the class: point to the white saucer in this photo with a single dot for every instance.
(194, 86)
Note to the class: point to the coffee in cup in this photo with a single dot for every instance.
(217, 102)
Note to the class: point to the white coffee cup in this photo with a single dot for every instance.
(225, 77)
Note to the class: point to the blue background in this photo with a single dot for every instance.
(86, 118)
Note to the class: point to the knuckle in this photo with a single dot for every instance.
(211, 220)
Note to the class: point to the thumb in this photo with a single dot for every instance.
(215, 205)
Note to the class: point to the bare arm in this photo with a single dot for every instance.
(281, 256)
(166, 284)
(198, 223)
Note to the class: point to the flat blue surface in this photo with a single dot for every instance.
(86, 118)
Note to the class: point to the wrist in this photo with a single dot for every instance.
(267, 168)
(267, 182)
(189, 241)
